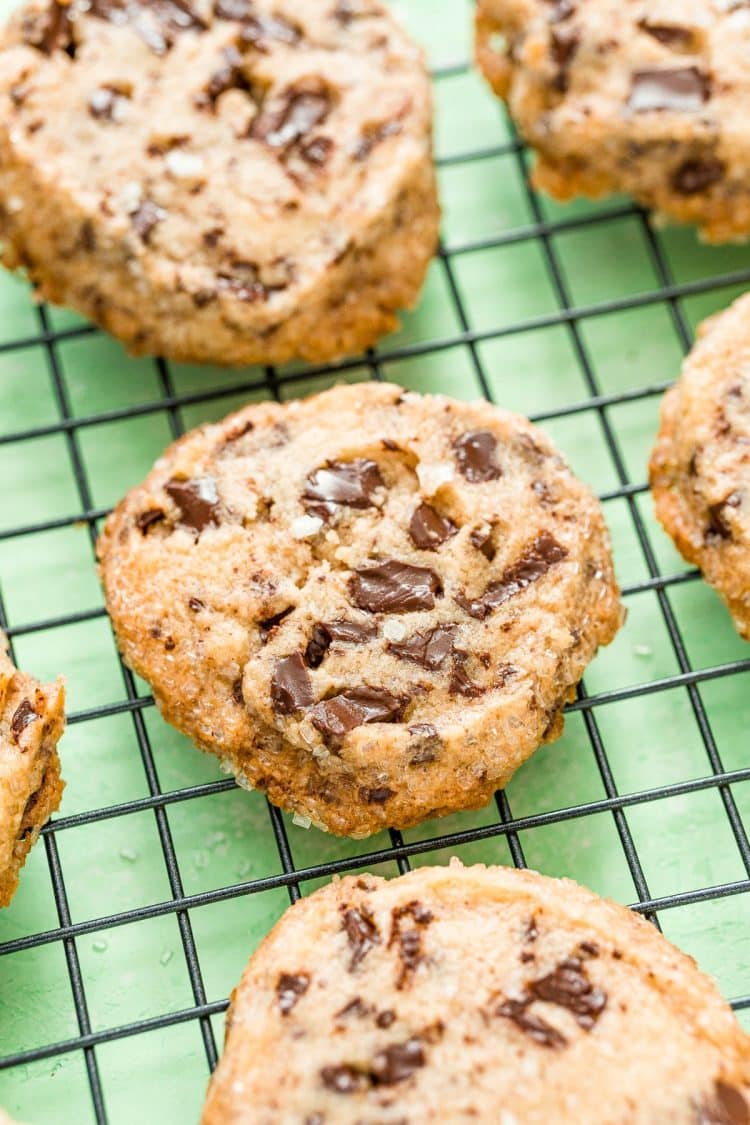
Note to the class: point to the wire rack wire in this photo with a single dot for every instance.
(595, 404)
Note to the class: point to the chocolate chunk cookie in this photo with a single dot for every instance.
(371, 604)
(231, 181)
(31, 724)
(475, 994)
(700, 466)
(644, 97)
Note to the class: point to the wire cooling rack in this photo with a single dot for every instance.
(158, 877)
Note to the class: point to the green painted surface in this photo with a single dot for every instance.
(138, 970)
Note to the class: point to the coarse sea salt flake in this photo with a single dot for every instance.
(184, 165)
(394, 630)
(433, 476)
(301, 821)
(129, 196)
(306, 526)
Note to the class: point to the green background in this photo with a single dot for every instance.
(491, 304)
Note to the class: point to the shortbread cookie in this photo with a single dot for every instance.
(700, 466)
(233, 181)
(31, 723)
(371, 604)
(643, 96)
(475, 994)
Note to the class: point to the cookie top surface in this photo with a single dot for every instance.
(475, 994)
(247, 142)
(630, 95)
(404, 589)
(31, 722)
(700, 466)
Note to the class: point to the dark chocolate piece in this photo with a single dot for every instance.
(265, 628)
(146, 520)
(291, 686)
(298, 111)
(23, 716)
(670, 34)
(481, 538)
(569, 987)
(55, 32)
(535, 1027)
(394, 587)
(475, 456)
(428, 529)
(146, 217)
(696, 175)
(103, 102)
(336, 716)
(428, 649)
(718, 525)
(398, 1062)
(156, 22)
(534, 563)
(363, 934)
(198, 501)
(373, 135)
(408, 940)
(683, 89)
(377, 796)
(343, 1079)
(351, 484)
(727, 1107)
(346, 632)
(237, 695)
(290, 987)
(385, 1018)
(460, 684)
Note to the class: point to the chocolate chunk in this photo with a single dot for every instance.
(423, 730)
(394, 587)
(346, 632)
(237, 695)
(385, 1018)
(259, 30)
(534, 563)
(363, 934)
(376, 796)
(398, 1062)
(289, 989)
(54, 32)
(460, 684)
(229, 76)
(481, 538)
(531, 933)
(105, 103)
(265, 628)
(694, 176)
(243, 282)
(146, 217)
(428, 529)
(336, 716)
(718, 525)
(372, 135)
(475, 456)
(569, 987)
(343, 1079)
(316, 151)
(590, 948)
(23, 716)
(672, 35)
(299, 110)
(196, 604)
(727, 1107)
(534, 1026)
(682, 89)
(564, 44)
(198, 501)
(428, 649)
(237, 10)
(156, 22)
(426, 743)
(355, 1007)
(409, 941)
(291, 687)
(351, 484)
(146, 520)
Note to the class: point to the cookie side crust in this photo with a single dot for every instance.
(454, 994)
(647, 99)
(700, 465)
(31, 724)
(370, 604)
(228, 181)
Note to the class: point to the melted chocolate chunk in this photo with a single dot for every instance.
(727, 1107)
(198, 501)
(351, 484)
(385, 1018)
(146, 520)
(428, 649)
(696, 175)
(564, 44)
(373, 135)
(569, 987)
(460, 684)
(398, 1062)
(316, 151)
(146, 217)
(105, 101)
(196, 604)
(229, 76)
(363, 934)
(534, 1026)
(428, 529)
(300, 109)
(289, 989)
(355, 1007)
(718, 525)
(682, 89)
(265, 628)
(346, 632)
(291, 686)
(156, 22)
(54, 32)
(23, 716)
(672, 35)
(377, 796)
(534, 563)
(408, 940)
(481, 538)
(336, 716)
(343, 1079)
(475, 456)
(243, 282)
(260, 30)
(394, 587)
(237, 695)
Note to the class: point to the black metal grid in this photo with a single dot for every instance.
(596, 404)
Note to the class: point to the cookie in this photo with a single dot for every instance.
(643, 97)
(700, 466)
(372, 605)
(230, 181)
(31, 724)
(475, 994)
